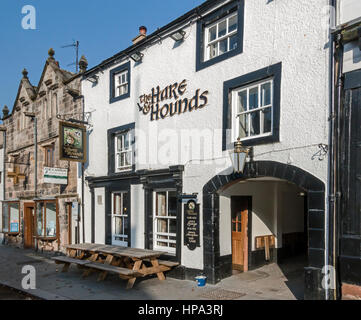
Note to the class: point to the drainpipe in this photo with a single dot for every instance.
(36, 156)
(331, 213)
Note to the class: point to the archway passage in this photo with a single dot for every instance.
(217, 265)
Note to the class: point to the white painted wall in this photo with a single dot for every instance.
(290, 32)
(137, 216)
(100, 215)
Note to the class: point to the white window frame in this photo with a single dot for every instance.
(118, 153)
(167, 249)
(122, 216)
(227, 36)
(236, 114)
(119, 84)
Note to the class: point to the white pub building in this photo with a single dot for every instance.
(165, 114)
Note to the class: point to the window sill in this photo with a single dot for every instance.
(45, 238)
(11, 233)
(122, 97)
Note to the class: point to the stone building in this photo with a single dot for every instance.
(36, 213)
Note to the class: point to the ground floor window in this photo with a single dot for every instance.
(165, 221)
(120, 219)
(46, 219)
(11, 217)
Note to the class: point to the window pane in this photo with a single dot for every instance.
(162, 225)
(14, 217)
(128, 158)
(161, 204)
(118, 225)
(222, 28)
(119, 143)
(125, 203)
(117, 204)
(242, 101)
(126, 140)
(213, 50)
(212, 34)
(233, 42)
(266, 94)
(223, 46)
(172, 225)
(50, 220)
(5, 218)
(243, 125)
(255, 122)
(232, 23)
(172, 203)
(253, 98)
(40, 219)
(267, 120)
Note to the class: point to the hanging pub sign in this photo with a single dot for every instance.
(191, 225)
(72, 142)
(170, 101)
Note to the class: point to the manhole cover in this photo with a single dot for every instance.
(221, 294)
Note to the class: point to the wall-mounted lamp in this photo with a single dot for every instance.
(178, 35)
(137, 56)
(238, 156)
(93, 78)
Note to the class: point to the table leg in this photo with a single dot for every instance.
(66, 267)
(87, 272)
(155, 263)
(103, 274)
(136, 267)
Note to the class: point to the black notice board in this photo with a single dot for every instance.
(191, 226)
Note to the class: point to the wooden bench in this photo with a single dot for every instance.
(67, 261)
(169, 264)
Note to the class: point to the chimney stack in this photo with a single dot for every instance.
(141, 36)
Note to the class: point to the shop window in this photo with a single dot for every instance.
(46, 219)
(120, 83)
(251, 109)
(165, 221)
(220, 34)
(11, 218)
(120, 219)
(49, 156)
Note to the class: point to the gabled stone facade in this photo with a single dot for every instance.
(49, 102)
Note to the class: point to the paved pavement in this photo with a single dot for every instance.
(269, 282)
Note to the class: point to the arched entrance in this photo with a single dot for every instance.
(218, 267)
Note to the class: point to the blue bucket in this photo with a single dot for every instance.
(201, 281)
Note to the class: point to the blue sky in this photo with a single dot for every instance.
(102, 27)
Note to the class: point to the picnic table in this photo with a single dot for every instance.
(128, 263)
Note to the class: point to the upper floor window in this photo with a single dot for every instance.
(49, 156)
(123, 151)
(221, 37)
(251, 109)
(220, 34)
(120, 82)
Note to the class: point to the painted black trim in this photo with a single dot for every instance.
(111, 150)
(168, 179)
(92, 215)
(123, 67)
(117, 187)
(352, 80)
(212, 17)
(295, 175)
(274, 71)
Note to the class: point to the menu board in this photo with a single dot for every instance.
(191, 225)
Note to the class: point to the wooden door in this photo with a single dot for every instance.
(29, 225)
(239, 233)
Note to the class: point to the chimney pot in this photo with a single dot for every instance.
(143, 30)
